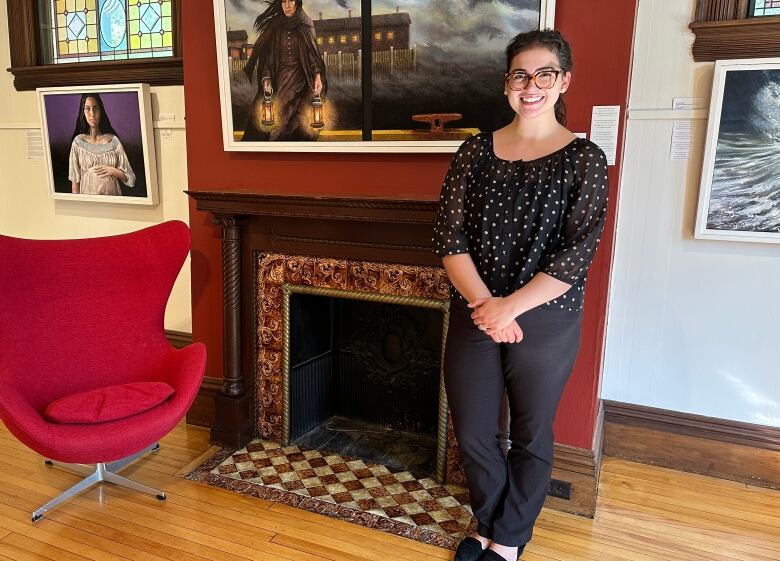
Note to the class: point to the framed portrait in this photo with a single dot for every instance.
(320, 75)
(739, 197)
(99, 143)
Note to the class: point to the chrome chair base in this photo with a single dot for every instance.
(102, 472)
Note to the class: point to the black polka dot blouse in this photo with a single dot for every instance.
(517, 218)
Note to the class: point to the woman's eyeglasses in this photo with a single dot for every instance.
(544, 79)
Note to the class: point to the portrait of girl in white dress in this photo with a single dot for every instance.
(98, 164)
(99, 143)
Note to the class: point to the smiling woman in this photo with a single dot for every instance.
(520, 216)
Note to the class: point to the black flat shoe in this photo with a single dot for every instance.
(490, 555)
(469, 549)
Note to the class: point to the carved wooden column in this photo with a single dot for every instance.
(233, 405)
(233, 384)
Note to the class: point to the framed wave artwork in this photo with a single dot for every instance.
(739, 196)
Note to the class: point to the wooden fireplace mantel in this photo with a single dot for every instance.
(418, 211)
(388, 230)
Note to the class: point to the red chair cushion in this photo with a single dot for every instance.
(109, 403)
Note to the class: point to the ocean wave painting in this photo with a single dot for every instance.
(746, 184)
(744, 193)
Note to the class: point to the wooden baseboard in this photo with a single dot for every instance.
(579, 468)
(178, 339)
(201, 411)
(709, 446)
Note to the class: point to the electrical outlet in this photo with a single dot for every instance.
(560, 489)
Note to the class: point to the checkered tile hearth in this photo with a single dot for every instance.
(344, 488)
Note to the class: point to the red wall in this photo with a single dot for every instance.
(601, 35)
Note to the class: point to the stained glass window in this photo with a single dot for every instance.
(99, 30)
(764, 8)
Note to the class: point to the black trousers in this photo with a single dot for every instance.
(507, 492)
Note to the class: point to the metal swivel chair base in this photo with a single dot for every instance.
(101, 472)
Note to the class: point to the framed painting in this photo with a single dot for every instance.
(334, 76)
(99, 144)
(739, 196)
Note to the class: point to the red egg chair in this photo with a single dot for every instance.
(87, 375)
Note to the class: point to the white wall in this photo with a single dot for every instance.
(692, 324)
(27, 210)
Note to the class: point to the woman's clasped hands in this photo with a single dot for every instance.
(496, 317)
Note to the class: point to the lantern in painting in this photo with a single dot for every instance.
(267, 111)
(316, 113)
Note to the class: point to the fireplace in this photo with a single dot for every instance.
(342, 340)
(276, 248)
(364, 246)
(362, 376)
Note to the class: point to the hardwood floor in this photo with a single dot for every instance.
(644, 513)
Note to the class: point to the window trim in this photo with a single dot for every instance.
(23, 35)
(736, 38)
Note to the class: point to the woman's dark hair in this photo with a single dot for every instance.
(549, 39)
(82, 126)
(274, 9)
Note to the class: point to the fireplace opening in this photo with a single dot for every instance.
(364, 380)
